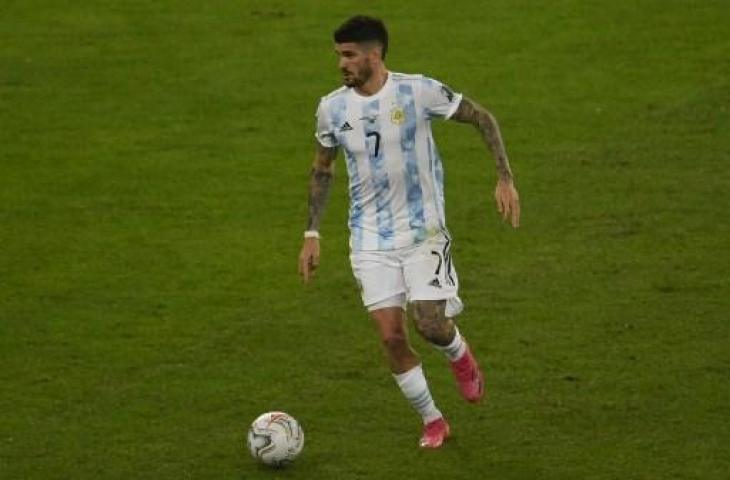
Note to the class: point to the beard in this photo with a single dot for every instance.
(352, 79)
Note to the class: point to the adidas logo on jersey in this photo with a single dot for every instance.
(345, 127)
(435, 283)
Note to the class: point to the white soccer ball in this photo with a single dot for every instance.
(275, 438)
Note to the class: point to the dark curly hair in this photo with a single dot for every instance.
(362, 28)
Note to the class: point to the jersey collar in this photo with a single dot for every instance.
(376, 95)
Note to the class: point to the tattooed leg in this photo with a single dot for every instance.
(431, 321)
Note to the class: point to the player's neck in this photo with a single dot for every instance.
(374, 83)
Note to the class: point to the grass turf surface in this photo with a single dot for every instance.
(153, 169)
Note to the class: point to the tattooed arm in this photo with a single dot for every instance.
(319, 184)
(508, 201)
(319, 187)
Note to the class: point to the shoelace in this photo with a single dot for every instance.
(433, 428)
(465, 371)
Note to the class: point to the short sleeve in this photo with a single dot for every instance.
(325, 131)
(438, 100)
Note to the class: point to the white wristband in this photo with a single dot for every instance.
(311, 234)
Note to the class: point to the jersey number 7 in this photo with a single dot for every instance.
(377, 142)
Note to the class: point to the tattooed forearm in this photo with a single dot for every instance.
(319, 187)
(319, 184)
(471, 112)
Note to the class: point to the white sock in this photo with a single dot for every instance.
(455, 349)
(413, 385)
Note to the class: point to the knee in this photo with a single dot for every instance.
(395, 341)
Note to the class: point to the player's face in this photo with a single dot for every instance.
(355, 63)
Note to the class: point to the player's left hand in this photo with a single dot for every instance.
(508, 201)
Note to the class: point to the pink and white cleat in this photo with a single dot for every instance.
(434, 433)
(469, 376)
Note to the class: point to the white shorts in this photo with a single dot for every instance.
(419, 272)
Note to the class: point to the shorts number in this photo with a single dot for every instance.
(377, 141)
(445, 261)
(441, 259)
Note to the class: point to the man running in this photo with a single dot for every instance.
(400, 246)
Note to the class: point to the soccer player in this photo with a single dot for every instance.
(400, 246)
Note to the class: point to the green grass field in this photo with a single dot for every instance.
(154, 161)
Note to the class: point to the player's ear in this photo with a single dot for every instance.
(376, 53)
(372, 51)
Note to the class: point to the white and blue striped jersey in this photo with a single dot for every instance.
(396, 176)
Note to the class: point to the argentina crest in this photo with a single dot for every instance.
(397, 115)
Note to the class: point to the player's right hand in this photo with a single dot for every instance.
(309, 258)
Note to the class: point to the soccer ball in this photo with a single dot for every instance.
(275, 438)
